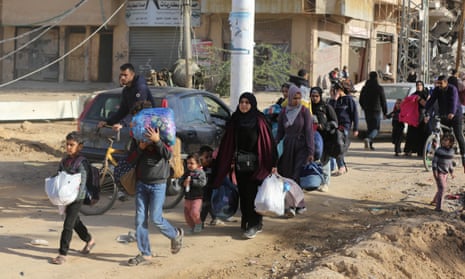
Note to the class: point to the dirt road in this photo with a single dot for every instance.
(375, 222)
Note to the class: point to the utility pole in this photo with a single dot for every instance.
(458, 57)
(242, 21)
(187, 40)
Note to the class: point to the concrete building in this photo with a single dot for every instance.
(361, 34)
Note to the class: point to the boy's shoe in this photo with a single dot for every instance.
(197, 228)
(251, 232)
(301, 210)
(176, 243)
(216, 221)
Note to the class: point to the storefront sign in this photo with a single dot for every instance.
(160, 13)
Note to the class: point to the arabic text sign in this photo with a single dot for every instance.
(159, 13)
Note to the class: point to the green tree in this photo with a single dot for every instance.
(272, 65)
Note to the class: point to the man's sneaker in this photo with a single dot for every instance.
(323, 188)
(251, 233)
(301, 210)
(216, 221)
(176, 243)
(366, 141)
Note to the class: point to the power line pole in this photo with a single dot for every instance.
(242, 21)
(458, 57)
(187, 41)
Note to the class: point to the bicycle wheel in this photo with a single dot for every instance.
(108, 192)
(431, 144)
(174, 193)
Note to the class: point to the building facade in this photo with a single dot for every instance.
(361, 34)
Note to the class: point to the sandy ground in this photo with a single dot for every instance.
(375, 222)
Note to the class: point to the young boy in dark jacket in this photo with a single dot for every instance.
(152, 170)
(72, 221)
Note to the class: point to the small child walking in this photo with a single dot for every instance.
(74, 143)
(397, 127)
(442, 165)
(207, 161)
(193, 181)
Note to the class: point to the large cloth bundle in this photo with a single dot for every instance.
(63, 188)
(161, 118)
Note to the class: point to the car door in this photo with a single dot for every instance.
(194, 126)
(218, 113)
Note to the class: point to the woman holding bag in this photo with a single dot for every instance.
(248, 145)
(295, 126)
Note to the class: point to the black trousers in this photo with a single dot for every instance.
(207, 204)
(72, 222)
(248, 189)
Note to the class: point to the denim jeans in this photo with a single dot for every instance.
(149, 199)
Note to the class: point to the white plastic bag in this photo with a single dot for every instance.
(270, 197)
(63, 188)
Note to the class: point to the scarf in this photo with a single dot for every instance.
(249, 118)
(292, 111)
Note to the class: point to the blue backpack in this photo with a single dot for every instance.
(225, 199)
(311, 176)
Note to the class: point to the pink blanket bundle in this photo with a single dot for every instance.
(409, 112)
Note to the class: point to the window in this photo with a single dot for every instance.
(104, 107)
(193, 110)
(215, 109)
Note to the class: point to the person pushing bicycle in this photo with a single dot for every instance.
(449, 105)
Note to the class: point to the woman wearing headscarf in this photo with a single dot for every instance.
(295, 127)
(323, 114)
(247, 132)
(416, 136)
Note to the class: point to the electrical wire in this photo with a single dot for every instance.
(70, 11)
(69, 52)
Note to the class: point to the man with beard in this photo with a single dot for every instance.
(449, 110)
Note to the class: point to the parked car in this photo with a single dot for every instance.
(392, 91)
(200, 119)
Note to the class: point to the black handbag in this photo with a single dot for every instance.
(246, 161)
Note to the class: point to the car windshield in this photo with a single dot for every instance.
(396, 92)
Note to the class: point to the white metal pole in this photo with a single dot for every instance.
(187, 41)
(242, 22)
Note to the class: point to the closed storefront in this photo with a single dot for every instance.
(328, 55)
(155, 47)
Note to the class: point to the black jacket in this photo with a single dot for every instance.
(372, 97)
(138, 91)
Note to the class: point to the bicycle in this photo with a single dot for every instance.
(109, 187)
(434, 141)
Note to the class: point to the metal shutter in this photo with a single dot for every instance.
(157, 46)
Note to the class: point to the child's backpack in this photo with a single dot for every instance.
(93, 179)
